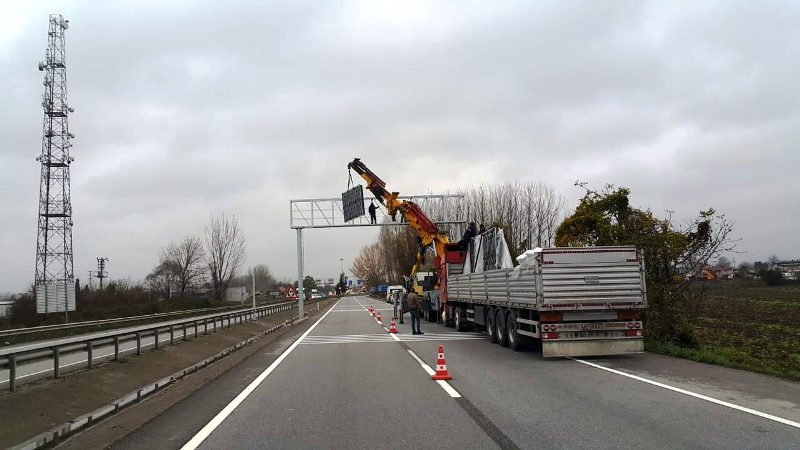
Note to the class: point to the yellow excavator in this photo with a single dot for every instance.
(428, 233)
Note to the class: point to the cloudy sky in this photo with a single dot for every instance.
(184, 109)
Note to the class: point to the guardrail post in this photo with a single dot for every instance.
(89, 354)
(215, 324)
(195, 329)
(184, 332)
(172, 334)
(116, 348)
(138, 343)
(12, 373)
(56, 361)
(205, 326)
(155, 338)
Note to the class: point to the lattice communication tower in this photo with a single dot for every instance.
(55, 288)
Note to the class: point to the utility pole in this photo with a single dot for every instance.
(90, 279)
(254, 289)
(101, 270)
(55, 280)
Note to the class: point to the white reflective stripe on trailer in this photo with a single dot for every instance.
(528, 322)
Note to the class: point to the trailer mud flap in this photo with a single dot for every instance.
(552, 349)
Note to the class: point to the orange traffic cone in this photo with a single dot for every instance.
(392, 327)
(441, 367)
(378, 317)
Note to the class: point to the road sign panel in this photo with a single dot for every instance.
(353, 203)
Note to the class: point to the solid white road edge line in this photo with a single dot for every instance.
(206, 431)
(693, 394)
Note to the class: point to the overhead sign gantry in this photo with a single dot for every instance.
(330, 213)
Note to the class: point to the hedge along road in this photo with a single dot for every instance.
(346, 384)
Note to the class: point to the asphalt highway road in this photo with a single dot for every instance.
(346, 383)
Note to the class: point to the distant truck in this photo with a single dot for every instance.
(572, 301)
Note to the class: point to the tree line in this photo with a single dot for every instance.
(528, 212)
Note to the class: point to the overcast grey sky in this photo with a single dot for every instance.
(189, 108)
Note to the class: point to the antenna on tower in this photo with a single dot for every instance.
(55, 281)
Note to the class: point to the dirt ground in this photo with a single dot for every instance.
(756, 325)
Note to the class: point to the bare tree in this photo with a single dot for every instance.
(528, 212)
(162, 279)
(263, 276)
(224, 251)
(370, 265)
(186, 258)
(400, 247)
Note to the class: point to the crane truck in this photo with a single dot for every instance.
(572, 301)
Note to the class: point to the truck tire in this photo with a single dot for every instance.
(460, 318)
(502, 328)
(439, 316)
(515, 340)
(491, 325)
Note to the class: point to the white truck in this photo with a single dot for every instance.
(572, 301)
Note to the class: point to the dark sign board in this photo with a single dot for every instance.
(353, 203)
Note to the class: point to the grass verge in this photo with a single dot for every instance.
(728, 357)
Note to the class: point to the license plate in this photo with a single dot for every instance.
(591, 334)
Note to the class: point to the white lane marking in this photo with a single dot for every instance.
(449, 389)
(693, 394)
(206, 431)
(444, 384)
(373, 341)
(427, 368)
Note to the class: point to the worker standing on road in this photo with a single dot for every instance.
(372, 208)
(412, 301)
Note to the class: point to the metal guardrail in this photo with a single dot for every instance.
(55, 348)
(90, 323)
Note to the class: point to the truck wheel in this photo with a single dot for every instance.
(515, 340)
(448, 322)
(502, 328)
(491, 325)
(458, 316)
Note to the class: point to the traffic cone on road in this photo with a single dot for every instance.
(378, 317)
(441, 367)
(392, 327)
